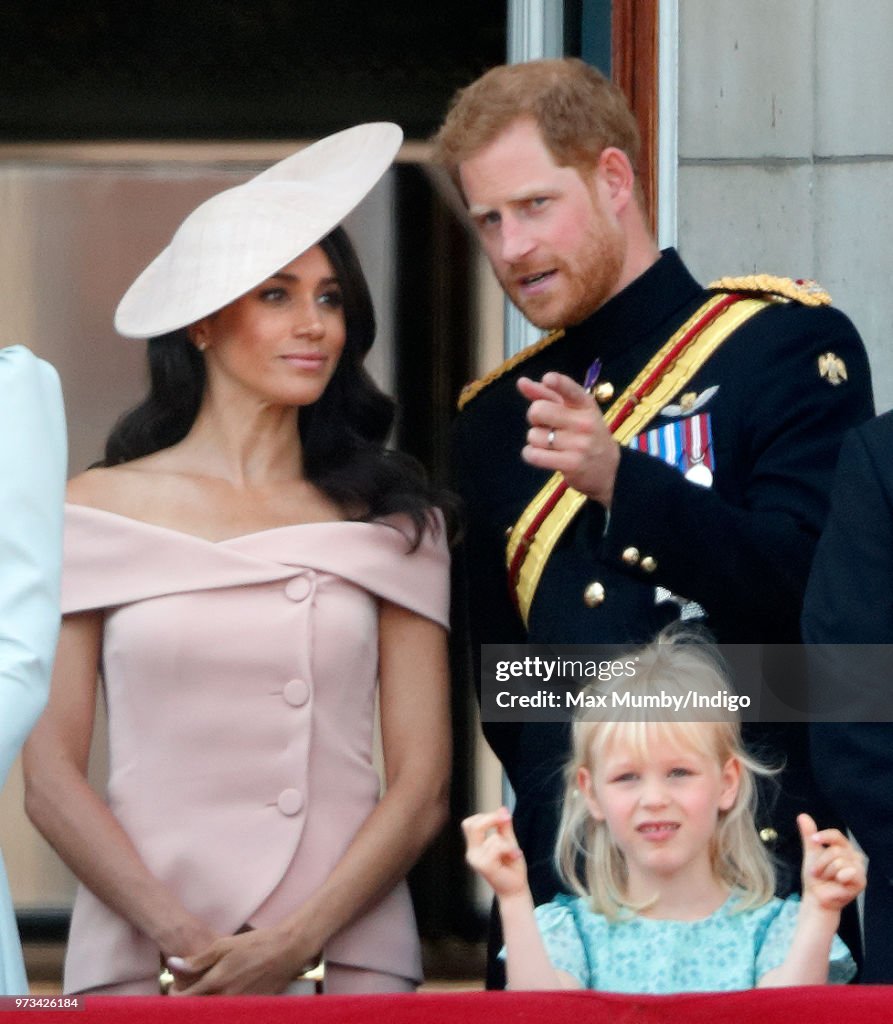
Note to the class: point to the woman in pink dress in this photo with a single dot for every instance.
(248, 570)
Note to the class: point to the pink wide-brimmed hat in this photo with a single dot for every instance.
(240, 237)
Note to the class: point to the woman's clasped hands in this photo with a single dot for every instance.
(262, 961)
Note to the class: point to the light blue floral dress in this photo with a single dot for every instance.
(727, 951)
(32, 481)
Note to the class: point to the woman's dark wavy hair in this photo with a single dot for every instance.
(343, 434)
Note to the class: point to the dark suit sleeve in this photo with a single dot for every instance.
(743, 548)
(850, 595)
(849, 604)
(483, 612)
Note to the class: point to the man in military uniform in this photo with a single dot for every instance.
(693, 432)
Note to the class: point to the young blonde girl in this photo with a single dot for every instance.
(674, 889)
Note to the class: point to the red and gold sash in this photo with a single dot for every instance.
(542, 523)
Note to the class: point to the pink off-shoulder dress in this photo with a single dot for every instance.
(240, 679)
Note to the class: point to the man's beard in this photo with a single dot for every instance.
(587, 280)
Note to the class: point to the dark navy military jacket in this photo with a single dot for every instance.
(741, 549)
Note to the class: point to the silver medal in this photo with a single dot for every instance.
(700, 474)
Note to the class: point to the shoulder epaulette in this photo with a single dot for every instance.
(806, 292)
(476, 386)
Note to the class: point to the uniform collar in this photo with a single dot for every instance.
(642, 307)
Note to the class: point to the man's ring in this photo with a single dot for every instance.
(550, 439)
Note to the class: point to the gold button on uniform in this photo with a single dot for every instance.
(594, 594)
(604, 392)
(648, 563)
(768, 835)
(630, 556)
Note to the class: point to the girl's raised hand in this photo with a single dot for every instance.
(492, 850)
(833, 869)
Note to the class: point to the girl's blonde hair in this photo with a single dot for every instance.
(676, 663)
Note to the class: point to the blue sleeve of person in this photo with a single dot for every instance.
(565, 945)
(774, 943)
